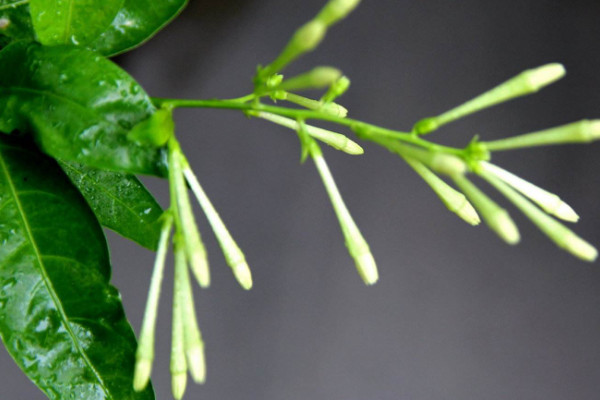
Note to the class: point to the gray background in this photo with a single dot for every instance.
(457, 314)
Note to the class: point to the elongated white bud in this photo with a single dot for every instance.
(334, 139)
(527, 82)
(584, 131)
(455, 201)
(145, 349)
(496, 218)
(557, 232)
(549, 202)
(233, 254)
(356, 244)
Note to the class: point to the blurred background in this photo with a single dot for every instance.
(457, 313)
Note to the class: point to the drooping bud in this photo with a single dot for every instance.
(455, 201)
(194, 248)
(549, 202)
(584, 131)
(527, 82)
(557, 232)
(496, 218)
(233, 255)
(178, 362)
(145, 350)
(355, 242)
(193, 344)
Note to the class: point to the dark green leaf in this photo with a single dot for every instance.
(136, 22)
(78, 105)
(15, 22)
(120, 202)
(76, 22)
(60, 319)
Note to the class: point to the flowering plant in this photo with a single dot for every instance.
(77, 129)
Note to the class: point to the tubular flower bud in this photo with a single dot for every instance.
(527, 82)
(317, 78)
(584, 131)
(496, 218)
(557, 232)
(549, 202)
(336, 10)
(356, 244)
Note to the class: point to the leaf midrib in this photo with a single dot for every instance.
(45, 277)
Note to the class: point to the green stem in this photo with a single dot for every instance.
(355, 125)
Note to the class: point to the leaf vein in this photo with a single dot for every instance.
(46, 279)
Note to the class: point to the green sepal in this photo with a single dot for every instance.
(154, 131)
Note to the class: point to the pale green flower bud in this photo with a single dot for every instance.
(557, 232)
(549, 202)
(233, 254)
(317, 78)
(337, 88)
(335, 140)
(145, 349)
(194, 248)
(329, 108)
(455, 201)
(496, 218)
(336, 10)
(583, 131)
(526, 82)
(356, 244)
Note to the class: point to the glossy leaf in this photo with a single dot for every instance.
(76, 22)
(15, 21)
(120, 202)
(136, 22)
(78, 105)
(60, 319)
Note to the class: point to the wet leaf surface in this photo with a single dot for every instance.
(78, 105)
(120, 202)
(60, 318)
(136, 22)
(74, 22)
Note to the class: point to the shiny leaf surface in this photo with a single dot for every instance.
(60, 318)
(74, 22)
(120, 202)
(78, 105)
(136, 22)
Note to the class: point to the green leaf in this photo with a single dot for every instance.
(15, 21)
(60, 319)
(78, 105)
(136, 22)
(120, 202)
(75, 22)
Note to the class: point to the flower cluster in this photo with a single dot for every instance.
(445, 169)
